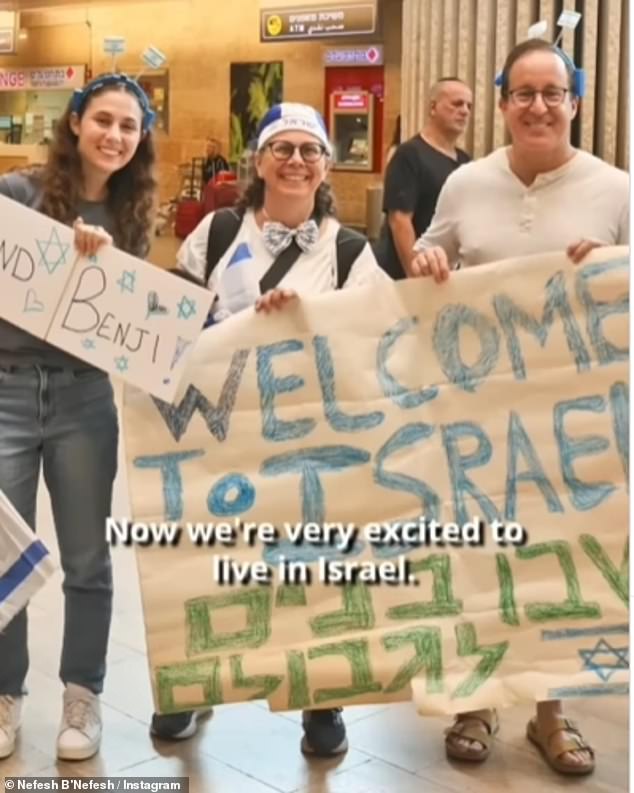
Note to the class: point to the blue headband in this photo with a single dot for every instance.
(81, 95)
(579, 78)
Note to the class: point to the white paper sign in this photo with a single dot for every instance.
(114, 311)
(36, 259)
(499, 398)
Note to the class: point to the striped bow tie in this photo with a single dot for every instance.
(277, 236)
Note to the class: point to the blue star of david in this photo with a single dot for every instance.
(121, 363)
(50, 258)
(127, 281)
(186, 308)
(604, 671)
(88, 344)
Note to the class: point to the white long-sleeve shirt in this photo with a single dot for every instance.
(485, 213)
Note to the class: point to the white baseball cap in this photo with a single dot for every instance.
(295, 117)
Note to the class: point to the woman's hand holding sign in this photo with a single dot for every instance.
(88, 239)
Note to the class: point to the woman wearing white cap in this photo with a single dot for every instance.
(281, 242)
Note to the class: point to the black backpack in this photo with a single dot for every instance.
(226, 223)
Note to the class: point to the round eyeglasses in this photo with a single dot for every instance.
(309, 152)
(551, 97)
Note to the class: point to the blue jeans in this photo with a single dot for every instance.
(65, 420)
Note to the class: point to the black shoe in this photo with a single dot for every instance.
(176, 726)
(324, 732)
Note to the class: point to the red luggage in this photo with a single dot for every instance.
(189, 213)
(225, 176)
(217, 195)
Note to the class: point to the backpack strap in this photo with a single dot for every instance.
(350, 243)
(278, 269)
(223, 229)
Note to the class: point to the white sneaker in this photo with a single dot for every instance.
(80, 731)
(10, 709)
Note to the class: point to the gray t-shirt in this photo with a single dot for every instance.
(17, 347)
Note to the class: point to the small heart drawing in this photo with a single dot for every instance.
(32, 303)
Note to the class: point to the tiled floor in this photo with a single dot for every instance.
(247, 749)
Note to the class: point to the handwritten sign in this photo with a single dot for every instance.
(114, 311)
(464, 445)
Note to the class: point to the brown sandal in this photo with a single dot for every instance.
(574, 742)
(477, 725)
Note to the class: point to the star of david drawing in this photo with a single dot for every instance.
(127, 281)
(121, 363)
(52, 252)
(186, 308)
(619, 658)
(88, 344)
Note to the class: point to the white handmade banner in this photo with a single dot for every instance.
(114, 311)
(412, 490)
(24, 562)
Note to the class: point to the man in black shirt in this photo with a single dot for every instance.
(214, 161)
(417, 172)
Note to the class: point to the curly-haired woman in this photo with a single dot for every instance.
(59, 412)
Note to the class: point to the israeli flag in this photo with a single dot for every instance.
(153, 57)
(114, 45)
(24, 562)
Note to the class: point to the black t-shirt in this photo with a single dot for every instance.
(212, 166)
(413, 180)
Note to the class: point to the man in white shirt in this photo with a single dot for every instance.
(537, 195)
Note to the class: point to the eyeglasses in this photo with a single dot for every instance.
(309, 152)
(551, 97)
